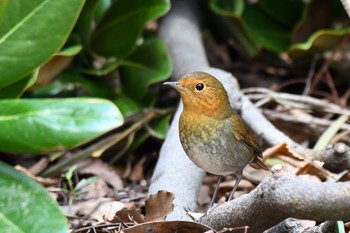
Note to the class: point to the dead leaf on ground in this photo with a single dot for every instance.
(282, 149)
(127, 215)
(168, 227)
(95, 190)
(243, 229)
(102, 170)
(302, 164)
(41, 180)
(315, 168)
(203, 196)
(159, 205)
(100, 210)
(136, 173)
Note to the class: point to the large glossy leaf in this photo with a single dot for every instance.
(16, 89)
(25, 206)
(320, 41)
(159, 127)
(85, 22)
(94, 86)
(232, 26)
(40, 125)
(128, 106)
(260, 21)
(148, 64)
(31, 32)
(56, 65)
(118, 31)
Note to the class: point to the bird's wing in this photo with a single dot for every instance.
(243, 134)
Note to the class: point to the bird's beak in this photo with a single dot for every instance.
(176, 85)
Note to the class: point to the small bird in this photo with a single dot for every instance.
(212, 134)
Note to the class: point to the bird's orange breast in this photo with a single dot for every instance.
(211, 144)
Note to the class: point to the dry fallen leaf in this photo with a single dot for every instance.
(127, 215)
(315, 168)
(243, 229)
(102, 170)
(282, 149)
(168, 227)
(159, 205)
(100, 210)
(302, 164)
(95, 190)
(136, 173)
(203, 196)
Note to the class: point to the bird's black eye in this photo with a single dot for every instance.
(199, 86)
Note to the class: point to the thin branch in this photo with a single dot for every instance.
(318, 124)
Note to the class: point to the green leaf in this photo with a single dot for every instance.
(233, 8)
(85, 22)
(95, 86)
(54, 90)
(159, 127)
(118, 31)
(69, 82)
(128, 106)
(111, 65)
(331, 131)
(148, 64)
(85, 182)
(41, 125)
(69, 174)
(26, 206)
(56, 65)
(233, 26)
(260, 21)
(268, 30)
(102, 8)
(31, 32)
(70, 51)
(319, 41)
(16, 89)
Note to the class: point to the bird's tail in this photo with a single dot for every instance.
(257, 163)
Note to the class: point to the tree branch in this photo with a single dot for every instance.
(292, 225)
(279, 196)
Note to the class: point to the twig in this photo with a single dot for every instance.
(318, 124)
(310, 75)
(329, 60)
(331, 85)
(298, 100)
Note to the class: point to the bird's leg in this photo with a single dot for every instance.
(215, 191)
(238, 179)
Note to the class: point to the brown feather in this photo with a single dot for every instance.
(243, 133)
(257, 163)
